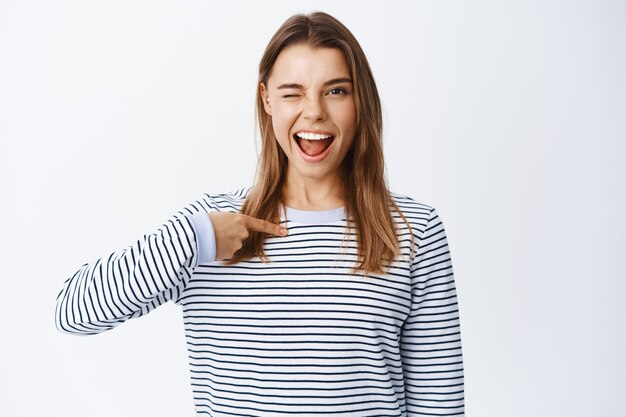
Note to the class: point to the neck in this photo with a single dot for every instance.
(306, 193)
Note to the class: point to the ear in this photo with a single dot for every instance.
(264, 96)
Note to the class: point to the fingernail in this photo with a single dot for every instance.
(283, 231)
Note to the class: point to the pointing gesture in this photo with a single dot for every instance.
(231, 229)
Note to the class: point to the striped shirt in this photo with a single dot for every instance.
(301, 335)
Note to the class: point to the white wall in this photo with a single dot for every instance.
(115, 114)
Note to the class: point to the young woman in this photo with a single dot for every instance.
(314, 292)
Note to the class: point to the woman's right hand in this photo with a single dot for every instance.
(231, 229)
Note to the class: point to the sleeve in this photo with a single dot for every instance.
(430, 340)
(206, 236)
(133, 281)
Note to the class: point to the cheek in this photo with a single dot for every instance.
(282, 120)
(281, 131)
(345, 116)
(347, 123)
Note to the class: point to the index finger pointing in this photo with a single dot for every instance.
(260, 225)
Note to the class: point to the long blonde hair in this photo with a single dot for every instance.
(367, 198)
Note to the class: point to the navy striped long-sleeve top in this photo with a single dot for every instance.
(301, 335)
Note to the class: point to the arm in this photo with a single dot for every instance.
(430, 341)
(133, 281)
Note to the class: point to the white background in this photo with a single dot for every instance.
(507, 117)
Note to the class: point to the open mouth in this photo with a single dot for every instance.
(313, 147)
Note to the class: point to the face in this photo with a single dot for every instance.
(310, 91)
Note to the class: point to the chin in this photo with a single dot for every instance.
(313, 172)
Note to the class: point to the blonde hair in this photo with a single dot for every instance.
(367, 197)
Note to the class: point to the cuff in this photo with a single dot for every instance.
(205, 235)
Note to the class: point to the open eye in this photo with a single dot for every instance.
(343, 90)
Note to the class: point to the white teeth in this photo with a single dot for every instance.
(312, 136)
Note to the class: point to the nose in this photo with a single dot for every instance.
(313, 109)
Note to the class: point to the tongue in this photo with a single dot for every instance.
(314, 147)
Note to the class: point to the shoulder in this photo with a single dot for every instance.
(218, 201)
(423, 217)
(418, 213)
(411, 207)
(230, 198)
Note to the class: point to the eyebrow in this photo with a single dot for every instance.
(327, 83)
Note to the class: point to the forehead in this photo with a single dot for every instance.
(307, 65)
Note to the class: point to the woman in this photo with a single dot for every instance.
(352, 311)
